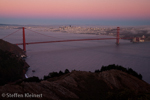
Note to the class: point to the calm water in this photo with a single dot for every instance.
(81, 55)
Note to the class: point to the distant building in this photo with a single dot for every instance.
(143, 37)
(138, 39)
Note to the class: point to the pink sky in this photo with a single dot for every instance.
(96, 9)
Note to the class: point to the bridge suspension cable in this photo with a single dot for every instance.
(42, 34)
(11, 34)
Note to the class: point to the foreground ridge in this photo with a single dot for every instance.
(81, 85)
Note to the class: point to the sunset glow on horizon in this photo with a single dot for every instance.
(74, 9)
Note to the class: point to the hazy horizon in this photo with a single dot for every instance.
(100, 22)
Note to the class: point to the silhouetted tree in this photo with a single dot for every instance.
(61, 73)
(113, 66)
(46, 77)
(53, 74)
(67, 71)
(96, 71)
(32, 79)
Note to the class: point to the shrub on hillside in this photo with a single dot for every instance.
(113, 66)
(32, 79)
(55, 74)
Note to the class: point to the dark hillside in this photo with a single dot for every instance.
(12, 68)
(81, 85)
(6, 46)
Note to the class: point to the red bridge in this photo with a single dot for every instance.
(25, 43)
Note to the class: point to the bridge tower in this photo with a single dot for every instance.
(24, 41)
(118, 37)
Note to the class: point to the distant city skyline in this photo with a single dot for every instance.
(100, 12)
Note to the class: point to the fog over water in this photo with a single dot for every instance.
(81, 55)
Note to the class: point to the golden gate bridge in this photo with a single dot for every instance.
(24, 43)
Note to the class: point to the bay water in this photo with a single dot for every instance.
(80, 55)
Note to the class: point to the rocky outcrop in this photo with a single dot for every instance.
(81, 85)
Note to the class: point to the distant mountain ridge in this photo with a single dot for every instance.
(9, 25)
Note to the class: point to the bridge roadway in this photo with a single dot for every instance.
(65, 41)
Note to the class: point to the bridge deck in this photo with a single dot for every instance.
(65, 41)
